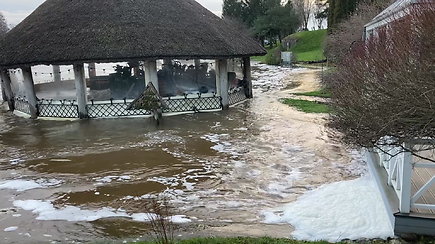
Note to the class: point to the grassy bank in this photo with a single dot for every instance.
(307, 106)
(273, 56)
(320, 93)
(309, 46)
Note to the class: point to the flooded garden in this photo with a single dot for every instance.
(226, 173)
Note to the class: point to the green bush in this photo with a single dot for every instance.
(273, 56)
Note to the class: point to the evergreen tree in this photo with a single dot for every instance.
(232, 8)
(266, 19)
(277, 23)
(339, 10)
(247, 11)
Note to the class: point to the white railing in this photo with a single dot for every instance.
(399, 165)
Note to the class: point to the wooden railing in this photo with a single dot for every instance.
(399, 165)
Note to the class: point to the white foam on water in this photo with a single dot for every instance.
(24, 185)
(342, 210)
(46, 211)
(241, 129)
(270, 76)
(143, 217)
(110, 178)
(16, 161)
(180, 219)
(60, 160)
(221, 146)
(19, 185)
(10, 229)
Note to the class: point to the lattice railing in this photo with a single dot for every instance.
(399, 165)
(118, 108)
(195, 104)
(113, 109)
(237, 95)
(22, 105)
(58, 109)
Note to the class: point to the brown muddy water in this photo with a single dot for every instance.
(220, 170)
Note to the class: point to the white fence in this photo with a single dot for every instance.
(400, 165)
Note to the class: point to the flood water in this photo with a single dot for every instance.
(220, 170)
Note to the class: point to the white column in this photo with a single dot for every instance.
(222, 81)
(6, 85)
(80, 82)
(30, 91)
(405, 171)
(247, 75)
(56, 73)
(150, 67)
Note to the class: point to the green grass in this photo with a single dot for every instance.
(309, 46)
(261, 59)
(320, 93)
(307, 106)
(271, 56)
(240, 240)
(263, 240)
(246, 240)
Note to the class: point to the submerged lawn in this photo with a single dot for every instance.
(307, 106)
(320, 93)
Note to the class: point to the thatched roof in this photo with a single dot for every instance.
(70, 31)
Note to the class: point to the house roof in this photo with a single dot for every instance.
(395, 10)
(72, 31)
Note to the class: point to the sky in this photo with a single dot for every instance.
(16, 10)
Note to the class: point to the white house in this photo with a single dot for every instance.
(406, 182)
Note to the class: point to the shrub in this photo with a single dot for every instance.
(349, 31)
(273, 56)
(386, 86)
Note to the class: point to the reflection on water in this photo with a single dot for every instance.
(215, 167)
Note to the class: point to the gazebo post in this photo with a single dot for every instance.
(197, 63)
(30, 91)
(80, 82)
(6, 85)
(150, 68)
(56, 73)
(247, 75)
(222, 81)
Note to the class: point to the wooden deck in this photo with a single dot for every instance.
(419, 221)
(420, 177)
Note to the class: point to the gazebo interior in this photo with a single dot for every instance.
(203, 67)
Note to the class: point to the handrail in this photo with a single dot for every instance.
(399, 166)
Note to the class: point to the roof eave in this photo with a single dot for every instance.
(115, 60)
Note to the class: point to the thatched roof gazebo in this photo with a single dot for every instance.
(65, 32)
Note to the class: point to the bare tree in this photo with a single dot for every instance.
(349, 32)
(3, 25)
(304, 8)
(385, 87)
(320, 12)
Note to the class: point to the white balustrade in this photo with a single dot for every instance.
(399, 165)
